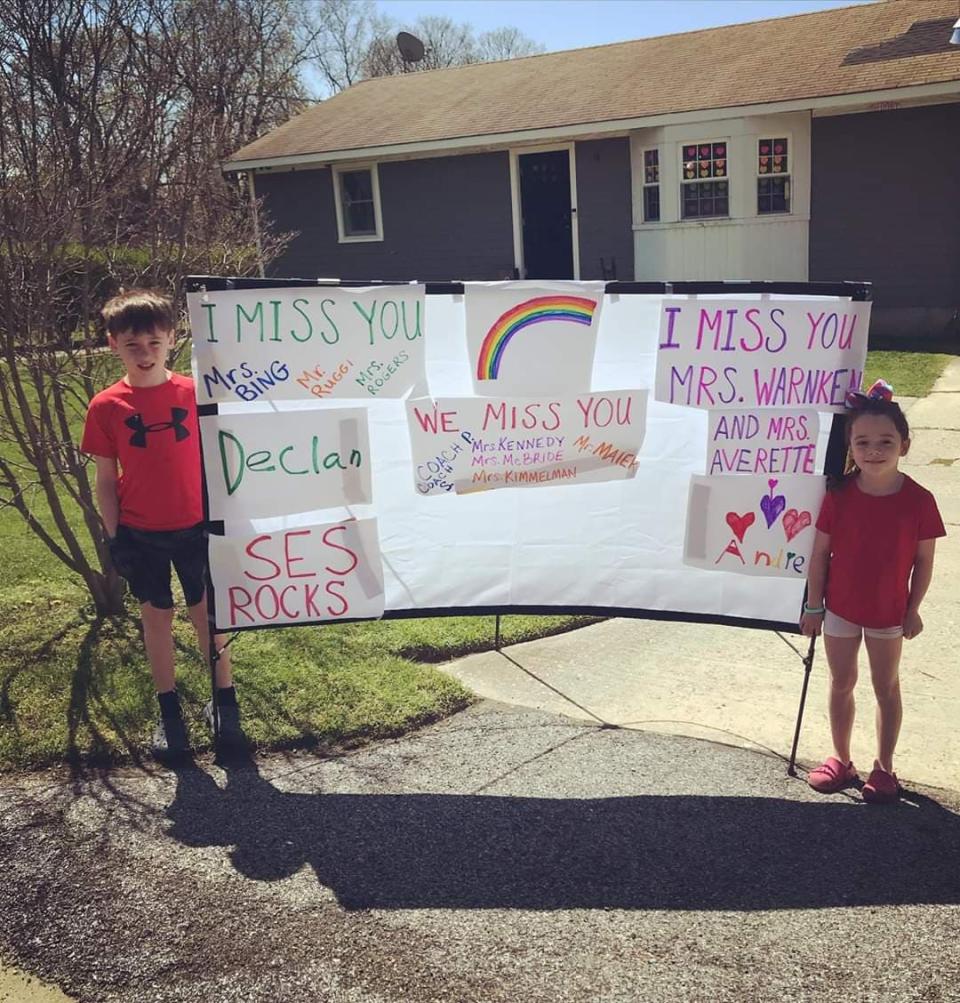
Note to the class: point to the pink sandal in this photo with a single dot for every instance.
(832, 776)
(881, 787)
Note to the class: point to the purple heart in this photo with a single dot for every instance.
(772, 506)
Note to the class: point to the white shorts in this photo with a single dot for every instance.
(836, 626)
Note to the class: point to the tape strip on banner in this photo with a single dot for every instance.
(352, 478)
(370, 582)
(696, 542)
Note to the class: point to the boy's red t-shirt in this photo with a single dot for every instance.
(873, 541)
(154, 434)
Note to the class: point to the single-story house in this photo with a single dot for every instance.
(821, 146)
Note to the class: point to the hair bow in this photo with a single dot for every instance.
(880, 391)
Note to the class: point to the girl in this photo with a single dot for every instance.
(870, 568)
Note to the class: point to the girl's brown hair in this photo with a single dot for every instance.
(138, 311)
(868, 405)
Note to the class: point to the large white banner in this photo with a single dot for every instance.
(653, 534)
(309, 574)
(475, 444)
(307, 343)
(769, 353)
(284, 462)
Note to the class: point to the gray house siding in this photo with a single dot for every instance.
(444, 218)
(604, 208)
(884, 208)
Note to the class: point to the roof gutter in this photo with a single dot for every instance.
(833, 103)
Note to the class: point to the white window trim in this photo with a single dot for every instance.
(365, 238)
(791, 147)
(515, 154)
(682, 181)
(644, 186)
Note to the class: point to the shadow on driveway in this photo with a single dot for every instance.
(430, 851)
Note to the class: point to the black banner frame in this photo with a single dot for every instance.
(834, 463)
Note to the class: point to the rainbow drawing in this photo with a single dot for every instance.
(576, 309)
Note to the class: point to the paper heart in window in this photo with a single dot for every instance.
(704, 151)
(720, 164)
(719, 150)
(688, 174)
(704, 171)
(778, 148)
(764, 148)
(689, 151)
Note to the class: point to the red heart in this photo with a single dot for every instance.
(741, 523)
(794, 522)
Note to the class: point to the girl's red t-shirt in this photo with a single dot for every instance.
(873, 543)
(153, 433)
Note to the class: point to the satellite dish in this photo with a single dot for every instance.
(411, 48)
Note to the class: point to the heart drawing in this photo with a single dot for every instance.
(740, 523)
(794, 522)
(772, 505)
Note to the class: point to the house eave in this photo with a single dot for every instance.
(828, 105)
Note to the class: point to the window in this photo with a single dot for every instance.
(357, 195)
(651, 186)
(704, 187)
(773, 176)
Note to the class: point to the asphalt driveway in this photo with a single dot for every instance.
(501, 855)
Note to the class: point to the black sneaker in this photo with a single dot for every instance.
(170, 737)
(230, 731)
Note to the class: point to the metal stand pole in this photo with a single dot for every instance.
(496, 636)
(834, 464)
(807, 667)
(213, 655)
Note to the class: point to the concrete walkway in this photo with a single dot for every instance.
(741, 686)
(18, 987)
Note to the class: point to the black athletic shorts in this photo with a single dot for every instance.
(144, 557)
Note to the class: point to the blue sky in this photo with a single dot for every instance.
(573, 24)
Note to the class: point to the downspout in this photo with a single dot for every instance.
(251, 186)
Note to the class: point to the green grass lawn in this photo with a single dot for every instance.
(76, 689)
(911, 374)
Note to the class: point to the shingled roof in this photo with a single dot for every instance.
(844, 51)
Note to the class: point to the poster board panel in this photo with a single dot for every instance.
(307, 343)
(480, 444)
(308, 574)
(756, 525)
(760, 353)
(762, 442)
(277, 462)
(529, 338)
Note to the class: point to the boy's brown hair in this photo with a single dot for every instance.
(139, 311)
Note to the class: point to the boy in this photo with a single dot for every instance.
(152, 507)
